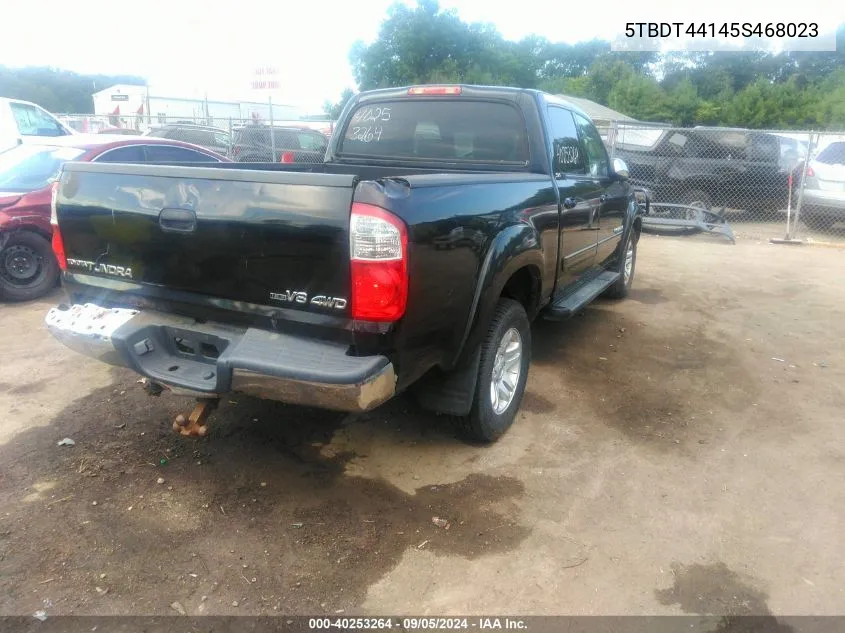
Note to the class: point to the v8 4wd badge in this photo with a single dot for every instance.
(301, 298)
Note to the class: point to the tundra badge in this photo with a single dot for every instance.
(94, 267)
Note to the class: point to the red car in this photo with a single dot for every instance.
(28, 268)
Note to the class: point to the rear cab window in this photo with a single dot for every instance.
(833, 154)
(437, 129)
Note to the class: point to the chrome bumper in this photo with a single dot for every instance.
(173, 351)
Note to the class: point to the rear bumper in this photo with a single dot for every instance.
(211, 359)
(826, 200)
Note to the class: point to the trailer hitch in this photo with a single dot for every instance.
(681, 219)
(195, 424)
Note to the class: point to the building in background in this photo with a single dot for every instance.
(139, 107)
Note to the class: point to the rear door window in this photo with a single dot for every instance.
(171, 153)
(126, 154)
(597, 163)
(568, 156)
(450, 129)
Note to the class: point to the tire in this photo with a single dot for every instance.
(697, 198)
(487, 421)
(28, 268)
(622, 286)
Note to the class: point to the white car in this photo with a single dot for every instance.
(24, 122)
(824, 188)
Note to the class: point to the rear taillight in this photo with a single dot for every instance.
(810, 173)
(287, 157)
(378, 248)
(58, 243)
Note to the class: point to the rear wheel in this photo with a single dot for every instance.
(502, 374)
(28, 268)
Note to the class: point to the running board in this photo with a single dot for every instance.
(565, 306)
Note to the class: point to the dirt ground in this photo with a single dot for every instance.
(679, 452)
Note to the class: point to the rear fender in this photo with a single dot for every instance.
(513, 248)
(10, 225)
(451, 389)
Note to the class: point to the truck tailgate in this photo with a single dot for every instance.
(263, 237)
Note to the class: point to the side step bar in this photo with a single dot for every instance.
(565, 306)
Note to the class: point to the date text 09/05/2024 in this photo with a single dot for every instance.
(418, 624)
(725, 29)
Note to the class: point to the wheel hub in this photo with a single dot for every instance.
(506, 370)
(20, 263)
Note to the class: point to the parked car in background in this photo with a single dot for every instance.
(792, 149)
(824, 188)
(26, 122)
(28, 268)
(714, 167)
(212, 138)
(252, 144)
(120, 131)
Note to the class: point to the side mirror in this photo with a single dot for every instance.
(620, 168)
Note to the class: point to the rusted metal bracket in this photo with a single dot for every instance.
(681, 219)
(195, 424)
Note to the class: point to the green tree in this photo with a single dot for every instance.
(425, 44)
(333, 110)
(683, 102)
(58, 90)
(641, 97)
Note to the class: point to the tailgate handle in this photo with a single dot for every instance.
(181, 220)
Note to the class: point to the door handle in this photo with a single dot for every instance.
(569, 203)
(177, 220)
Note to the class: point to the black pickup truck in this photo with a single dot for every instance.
(711, 167)
(441, 222)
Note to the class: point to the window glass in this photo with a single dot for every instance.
(833, 154)
(764, 148)
(126, 154)
(597, 162)
(33, 167)
(171, 153)
(33, 121)
(312, 142)
(455, 129)
(568, 156)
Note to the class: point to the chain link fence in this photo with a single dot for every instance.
(766, 184)
(244, 140)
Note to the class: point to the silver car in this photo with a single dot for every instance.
(824, 188)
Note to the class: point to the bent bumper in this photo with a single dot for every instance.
(208, 359)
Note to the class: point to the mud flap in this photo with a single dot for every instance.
(680, 219)
(449, 393)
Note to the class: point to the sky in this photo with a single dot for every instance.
(197, 47)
